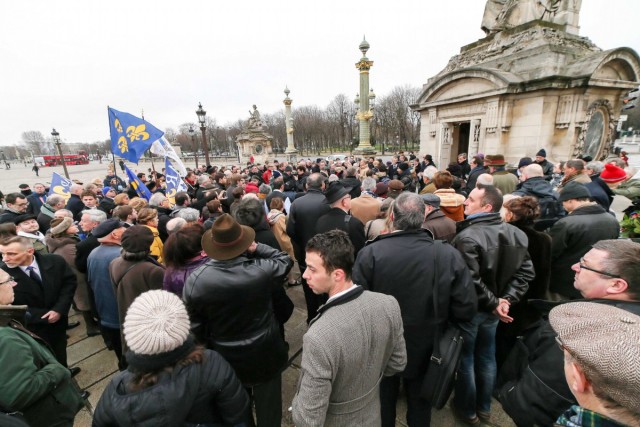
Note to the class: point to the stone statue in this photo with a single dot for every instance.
(254, 119)
(503, 14)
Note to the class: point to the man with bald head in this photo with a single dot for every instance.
(301, 227)
(74, 204)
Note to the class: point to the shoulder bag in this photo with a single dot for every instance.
(447, 349)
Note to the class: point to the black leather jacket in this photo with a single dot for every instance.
(229, 304)
(497, 255)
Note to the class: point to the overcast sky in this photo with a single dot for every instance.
(64, 61)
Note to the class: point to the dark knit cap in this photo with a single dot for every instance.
(542, 153)
(137, 238)
(574, 190)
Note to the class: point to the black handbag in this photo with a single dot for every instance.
(447, 349)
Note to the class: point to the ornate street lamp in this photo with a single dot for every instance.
(192, 132)
(56, 140)
(201, 116)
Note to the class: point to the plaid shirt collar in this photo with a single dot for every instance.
(577, 416)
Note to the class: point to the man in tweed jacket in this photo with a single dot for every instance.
(355, 340)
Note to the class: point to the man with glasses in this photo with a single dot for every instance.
(532, 388)
(16, 205)
(572, 236)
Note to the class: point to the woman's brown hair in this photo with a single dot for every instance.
(525, 209)
(149, 379)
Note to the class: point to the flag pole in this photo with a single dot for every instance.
(153, 167)
(113, 156)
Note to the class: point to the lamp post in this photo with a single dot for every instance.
(291, 151)
(201, 116)
(192, 132)
(56, 140)
(365, 113)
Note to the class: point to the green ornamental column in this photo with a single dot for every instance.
(365, 113)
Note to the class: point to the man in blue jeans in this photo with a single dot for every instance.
(497, 256)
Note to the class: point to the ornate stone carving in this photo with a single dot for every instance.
(601, 106)
(564, 112)
(504, 14)
(491, 118)
(433, 119)
(503, 45)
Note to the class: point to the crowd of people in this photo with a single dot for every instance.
(189, 291)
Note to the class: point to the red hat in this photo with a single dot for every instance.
(613, 173)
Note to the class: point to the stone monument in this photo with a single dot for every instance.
(254, 140)
(531, 82)
(290, 152)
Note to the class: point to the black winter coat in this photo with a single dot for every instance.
(336, 219)
(571, 238)
(531, 385)
(207, 392)
(301, 224)
(401, 264)
(497, 255)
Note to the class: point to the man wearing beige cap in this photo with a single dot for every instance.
(601, 346)
(531, 385)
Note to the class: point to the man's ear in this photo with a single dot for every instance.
(618, 286)
(579, 382)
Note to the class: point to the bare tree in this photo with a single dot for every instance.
(35, 141)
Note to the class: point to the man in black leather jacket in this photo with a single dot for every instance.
(497, 255)
(229, 303)
(531, 386)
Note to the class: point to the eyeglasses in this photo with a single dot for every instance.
(604, 273)
(11, 279)
(560, 344)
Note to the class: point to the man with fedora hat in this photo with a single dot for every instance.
(503, 180)
(229, 303)
(338, 218)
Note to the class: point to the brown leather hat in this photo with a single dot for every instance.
(227, 239)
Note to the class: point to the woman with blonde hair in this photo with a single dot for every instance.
(138, 203)
(149, 218)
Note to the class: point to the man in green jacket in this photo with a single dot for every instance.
(33, 382)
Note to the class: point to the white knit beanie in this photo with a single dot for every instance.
(157, 322)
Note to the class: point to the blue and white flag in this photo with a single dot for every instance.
(130, 136)
(163, 148)
(174, 182)
(136, 184)
(60, 186)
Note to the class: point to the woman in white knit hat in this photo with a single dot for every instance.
(170, 380)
